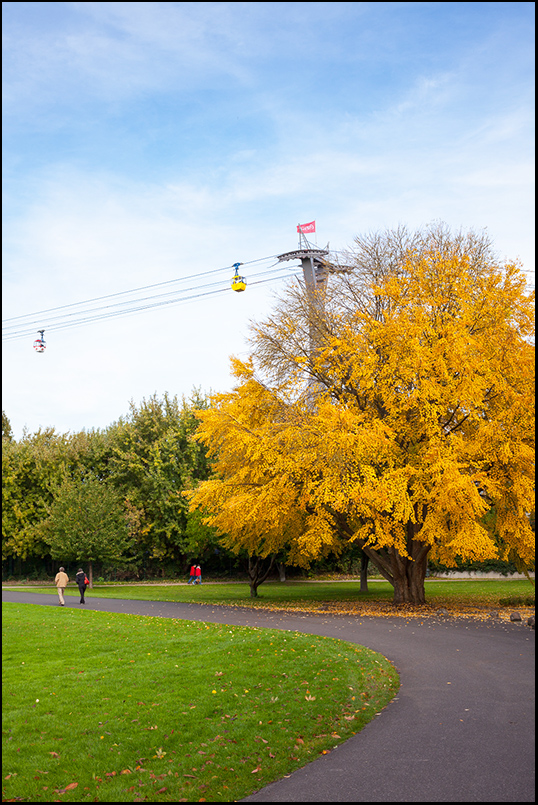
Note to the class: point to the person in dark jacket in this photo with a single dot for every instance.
(80, 578)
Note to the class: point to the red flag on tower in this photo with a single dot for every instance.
(311, 227)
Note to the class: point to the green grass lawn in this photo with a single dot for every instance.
(315, 596)
(123, 708)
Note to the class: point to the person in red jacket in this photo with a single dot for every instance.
(192, 578)
(198, 575)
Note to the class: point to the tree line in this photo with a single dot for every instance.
(112, 496)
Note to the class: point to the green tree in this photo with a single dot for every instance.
(91, 452)
(29, 467)
(87, 522)
(200, 539)
(7, 433)
(154, 459)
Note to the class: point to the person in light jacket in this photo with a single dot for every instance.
(61, 582)
(80, 579)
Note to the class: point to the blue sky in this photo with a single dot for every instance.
(148, 142)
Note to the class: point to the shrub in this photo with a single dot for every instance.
(517, 601)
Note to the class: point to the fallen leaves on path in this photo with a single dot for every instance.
(385, 609)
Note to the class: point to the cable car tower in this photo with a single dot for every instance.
(315, 268)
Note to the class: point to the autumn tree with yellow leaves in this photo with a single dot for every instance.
(393, 411)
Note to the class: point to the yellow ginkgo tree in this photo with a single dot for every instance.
(394, 412)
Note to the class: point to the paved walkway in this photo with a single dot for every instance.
(460, 730)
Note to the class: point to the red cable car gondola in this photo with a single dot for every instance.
(39, 343)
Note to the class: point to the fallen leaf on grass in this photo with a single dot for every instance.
(67, 788)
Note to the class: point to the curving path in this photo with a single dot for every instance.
(460, 730)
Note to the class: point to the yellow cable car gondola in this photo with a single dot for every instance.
(238, 283)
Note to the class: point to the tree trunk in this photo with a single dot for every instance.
(90, 577)
(281, 571)
(256, 574)
(364, 573)
(409, 574)
(406, 575)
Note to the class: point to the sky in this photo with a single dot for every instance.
(157, 144)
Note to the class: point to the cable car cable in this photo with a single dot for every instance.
(134, 311)
(142, 288)
(104, 312)
(19, 329)
(100, 308)
(108, 309)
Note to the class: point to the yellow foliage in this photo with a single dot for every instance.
(420, 420)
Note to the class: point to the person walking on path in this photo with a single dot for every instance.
(198, 575)
(82, 583)
(193, 575)
(61, 581)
